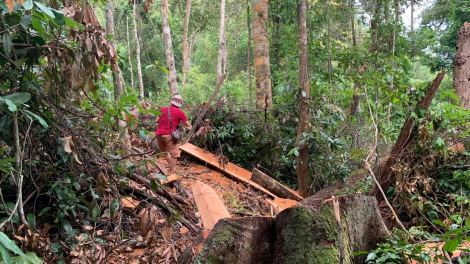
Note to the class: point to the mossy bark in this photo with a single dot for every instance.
(306, 236)
(303, 234)
(239, 240)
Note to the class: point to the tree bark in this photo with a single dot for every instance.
(129, 55)
(273, 186)
(303, 169)
(395, 21)
(261, 55)
(220, 56)
(248, 51)
(301, 234)
(170, 59)
(186, 51)
(146, 50)
(137, 52)
(240, 240)
(387, 177)
(462, 66)
(118, 81)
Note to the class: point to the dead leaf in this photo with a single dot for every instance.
(10, 4)
(167, 233)
(184, 230)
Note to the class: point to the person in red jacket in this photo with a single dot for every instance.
(163, 132)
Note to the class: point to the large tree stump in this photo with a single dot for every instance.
(239, 240)
(303, 234)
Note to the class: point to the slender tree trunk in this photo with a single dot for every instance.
(226, 37)
(118, 81)
(236, 31)
(186, 51)
(129, 53)
(395, 21)
(146, 50)
(220, 56)
(462, 66)
(353, 27)
(170, 59)
(248, 51)
(137, 52)
(328, 42)
(412, 4)
(18, 168)
(261, 55)
(355, 98)
(302, 168)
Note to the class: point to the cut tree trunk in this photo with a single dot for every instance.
(273, 186)
(387, 177)
(300, 235)
(302, 169)
(240, 240)
(170, 59)
(462, 66)
(261, 55)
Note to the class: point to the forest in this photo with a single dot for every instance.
(361, 108)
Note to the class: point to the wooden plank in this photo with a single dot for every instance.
(171, 178)
(274, 186)
(231, 169)
(208, 204)
(285, 203)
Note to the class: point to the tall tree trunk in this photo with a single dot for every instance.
(248, 51)
(137, 52)
(220, 56)
(329, 44)
(118, 81)
(235, 46)
(355, 98)
(146, 50)
(226, 37)
(372, 48)
(302, 168)
(186, 51)
(395, 21)
(170, 59)
(462, 66)
(261, 55)
(129, 55)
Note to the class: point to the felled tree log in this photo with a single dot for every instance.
(387, 177)
(303, 234)
(273, 186)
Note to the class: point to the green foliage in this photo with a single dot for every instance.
(7, 246)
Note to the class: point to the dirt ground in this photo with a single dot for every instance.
(168, 239)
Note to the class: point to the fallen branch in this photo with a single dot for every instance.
(142, 195)
(387, 176)
(159, 191)
(206, 107)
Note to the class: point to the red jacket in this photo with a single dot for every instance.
(177, 116)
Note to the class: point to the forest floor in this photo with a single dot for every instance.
(171, 239)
